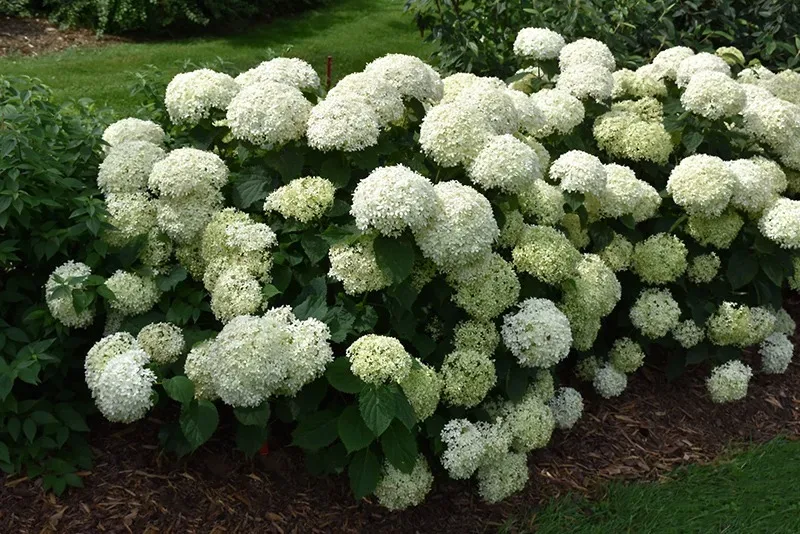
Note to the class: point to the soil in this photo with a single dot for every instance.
(654, 427)
(33, 37)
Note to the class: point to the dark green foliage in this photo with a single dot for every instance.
(49, 212)
(478, 36)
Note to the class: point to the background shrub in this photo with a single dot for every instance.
(49, 212)
(477, 36)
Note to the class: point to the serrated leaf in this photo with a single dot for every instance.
(315, 431)
(342, 378)
(198, 422)
(353, 432)
(395, 257)
(377, 405)
(364, 472)
(400, 447)
(71, 418)
(257, 416)
(315, 247)
(179, 389)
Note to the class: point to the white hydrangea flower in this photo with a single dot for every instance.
(133, 294)
(587, 81)
(713, 95)
(505, 163)
(702, 185)
(776, 352)
(784, 323)
(666, 62)
(562, 112)
(346, 122)
(453, 134)
(286, 70)
(586, 52)
(269, 113)
(655, 313)
(124, 390)
(542, 202)
(596, 290)
(579, 172)
(199, 368)
(378, 359)
(131, 215)
(250, 236)
(467, 376)
(697, 63)
(625, 194)
(455, 83)
(398, 491)
(754, 188)
(463, 228)
(547, 254)
(688, 334)
(530, 422)
(356, 267)
(755, 75)
(728, 382)
(538, 44)
(626, 355)
(784, 85)
(641, 83)
(531, 118)
(500, 479)
(103, 352)
(485, 288)
(132, 129)
(609, 382)
(187, 171)
(495, 105)
(422, 387)
(185, 219)
(781, 223)
(769, 119)
(127, 167)
(538, 334)
(163, 342)
(309, 352)
(464, 446)
(73, 276)
(659, 259)
(567, 407)
(392, 199)
(191, 96)
(235, 292)
(480, 336)
(304, 199)
(385, 100)
(617, 254)
(772, 173)
(409, 75)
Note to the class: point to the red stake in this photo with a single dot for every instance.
(264, 450)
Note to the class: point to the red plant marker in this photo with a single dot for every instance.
(264, 450)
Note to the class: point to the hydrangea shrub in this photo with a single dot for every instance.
(407, 267)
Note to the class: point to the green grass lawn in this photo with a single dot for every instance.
(757, 491)
(352, 31)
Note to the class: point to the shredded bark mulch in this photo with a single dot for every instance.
(33, 37)
(651, 429)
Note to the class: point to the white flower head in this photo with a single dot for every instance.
(702, 185)
(538, 44)
(285, 70)
(191, 96)
(409, 75)
(697, 63)
(728, 382)
(269, 113)
(127, 167)
(781, 223)
(345, 122)
(586, 52)
(506, 163)
(132, 129)
(124, 389)
(580, 172)
(538, 334)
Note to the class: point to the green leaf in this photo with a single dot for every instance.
(403, 409)
(395, 257)
(249, 191)
(198, 422)
(70, 417)
(773, 269)
(179, 389)
(516, 384)
(335, 170)
(171, 281)
(316, 431)
(364, 472)
(257, 416)
(249, 438)
(43, 418)
(400, 447)
(6, 383)
(315, 247)
(29, 429)
(697, 354)
(378, 406)
(353, 432)
(342, 378)
(4, 456)
(692, 140)
(269, 291)
(742, 269)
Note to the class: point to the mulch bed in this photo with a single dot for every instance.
(33, 37)
(651, 429)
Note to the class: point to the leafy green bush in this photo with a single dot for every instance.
(478, 36)
(404, 270)
(17, 8)
(49, 212)
(114, 16)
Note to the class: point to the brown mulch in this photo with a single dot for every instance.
(651, 429)
(33, 37)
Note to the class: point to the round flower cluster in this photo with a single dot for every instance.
(728, 382)
(634, 130)
(378, 359)
(467, 377)
(453, 134)
(738, 325)
(462, 229)
(487, 288)
(133, 294)
(198, 369)
(781, 223)
(475, 335)
(625, 194)
(579, 172)
(699, 63)
(667, 61)
(713, 95)
(286, 70)
(505, 163)
(617, 254)
(655, 313)
(702, 185)
(304, 199)
(163, 342)
(756, 186)
(422, 386)
(659, 259)
(586, 52)
(69, 277)
(538, 44)
(392, 199)
(609, 382)
(596, 290)
(704, 268)
(626, 355)
(718, 232)
(567, 407)
(587, 81)
(776, 352)
(542, 202)
(130, 215)
(688, 334)
(269, 113)
(562, 112)
(398, 490)
(356, 267)
(464, 447)
(784, 323)
(127, 167)
(409, 75)
(641, 83)
(384, 100)
(499, 479)
(191, 96)
(530, 422)
(547, 254)
(538, 334)
(132, 129)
